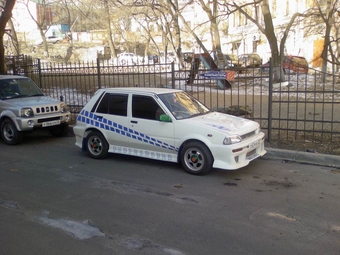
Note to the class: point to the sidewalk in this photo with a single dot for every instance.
(302, 157)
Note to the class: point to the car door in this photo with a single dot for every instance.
(112, 113)
(151, 137)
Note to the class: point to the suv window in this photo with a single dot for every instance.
(115, 104)
(10, 88)
(144, 107)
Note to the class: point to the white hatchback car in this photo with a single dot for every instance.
(169, 125)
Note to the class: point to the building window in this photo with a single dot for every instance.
(254, 46)
(273, 9)
(287, 7)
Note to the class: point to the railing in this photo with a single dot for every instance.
(302, 110)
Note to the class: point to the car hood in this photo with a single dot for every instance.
(32, 101)
(225, 123)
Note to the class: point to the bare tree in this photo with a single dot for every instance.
(164, 15)
(14, 38)
(211, 9)
(276, 37)
(4, 18)
(41, 20)
(329, 14)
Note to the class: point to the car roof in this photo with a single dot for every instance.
(7, 76)
(142, 90)
(293, 56)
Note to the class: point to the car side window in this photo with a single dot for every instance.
(145, 107)
(115, 104)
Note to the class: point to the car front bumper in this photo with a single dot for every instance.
(238, 155)
(48, 120)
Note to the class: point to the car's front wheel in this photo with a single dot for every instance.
(196, 158)
(10, 133)
(97, 145)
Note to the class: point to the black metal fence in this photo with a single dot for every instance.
(301, 113)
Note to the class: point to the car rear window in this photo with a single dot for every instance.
(115, 104)
(300, 61)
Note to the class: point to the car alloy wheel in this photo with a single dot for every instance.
(97, 145)
(196, 158)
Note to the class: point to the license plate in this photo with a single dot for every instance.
(252, 156)
(51, 123)
(254, 144)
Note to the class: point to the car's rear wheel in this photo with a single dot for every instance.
(10, 133)
(97, 145)
(196, 158)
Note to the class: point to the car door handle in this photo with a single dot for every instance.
(134, 121)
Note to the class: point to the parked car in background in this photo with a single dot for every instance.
(295, 64)
(250, 60)
(291, 64)
(168, 125)
(51, 39)
(153, 59)
(24, 108)
(232, 60)
(127, 58)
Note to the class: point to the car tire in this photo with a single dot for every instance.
(123, 62)
(10, 134)
(96, 145)
(60, 130)
(196, 158)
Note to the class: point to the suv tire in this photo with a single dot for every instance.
(9, 133)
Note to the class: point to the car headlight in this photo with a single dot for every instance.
(232, 139)
(63, 108)
(27, 112)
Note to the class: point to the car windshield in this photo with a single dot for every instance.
(182, 105)
(15, 88)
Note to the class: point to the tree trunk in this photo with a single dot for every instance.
(109, 30)
(14, 38)
(271, 37)
(324, 54)
(4, 18)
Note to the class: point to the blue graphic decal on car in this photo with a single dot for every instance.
(92, 119)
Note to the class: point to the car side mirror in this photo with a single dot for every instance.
(164, 118)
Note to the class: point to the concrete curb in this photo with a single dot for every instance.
(303, 157)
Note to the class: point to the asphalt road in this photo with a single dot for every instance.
(54, 199)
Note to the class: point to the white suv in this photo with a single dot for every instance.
(24, 108)
(169, 125)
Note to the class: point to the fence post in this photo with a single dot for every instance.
(270, 100)
(173, 74)
(39, 72)
(98, 72)
(14, 66)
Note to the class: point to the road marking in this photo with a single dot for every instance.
(335, 228)
(280, 216)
